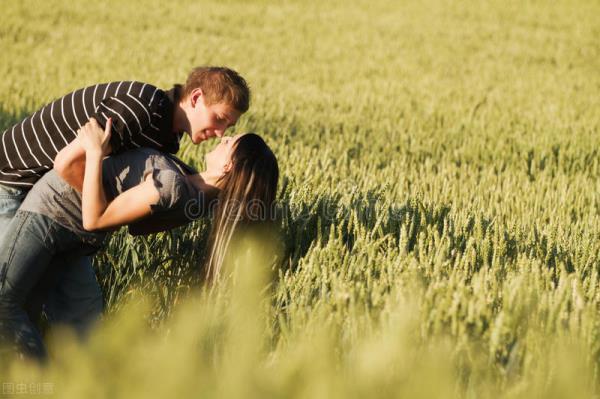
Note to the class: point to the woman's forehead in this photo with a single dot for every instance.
(235, 138)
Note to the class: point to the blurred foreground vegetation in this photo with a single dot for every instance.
(440, 196)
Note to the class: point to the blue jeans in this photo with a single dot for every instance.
(31, 243)
(68, 292)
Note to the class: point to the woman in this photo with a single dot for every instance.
(139, 186)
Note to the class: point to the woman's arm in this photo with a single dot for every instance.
(97, 213)
(128, 207)
(93, 199)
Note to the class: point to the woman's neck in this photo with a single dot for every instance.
(204, 181)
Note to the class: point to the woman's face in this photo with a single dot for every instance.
(218, 161)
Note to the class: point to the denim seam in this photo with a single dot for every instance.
(4, 270)
(51, 227)
(24, 218)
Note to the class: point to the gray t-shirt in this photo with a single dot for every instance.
(53, 197)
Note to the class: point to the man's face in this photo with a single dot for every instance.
(208, 121)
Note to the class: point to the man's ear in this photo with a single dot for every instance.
(195, 96)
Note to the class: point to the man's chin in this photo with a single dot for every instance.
(199, 139)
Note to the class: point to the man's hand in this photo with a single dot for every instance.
(93, 139)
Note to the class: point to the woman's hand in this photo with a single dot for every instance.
(93, 139)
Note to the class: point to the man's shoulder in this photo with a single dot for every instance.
(148, 93)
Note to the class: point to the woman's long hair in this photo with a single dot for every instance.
(247, 196)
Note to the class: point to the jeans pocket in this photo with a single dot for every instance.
(10, 200)
(11, 192)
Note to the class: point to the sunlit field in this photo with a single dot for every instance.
(439, 198)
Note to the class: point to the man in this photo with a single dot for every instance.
(211, 101)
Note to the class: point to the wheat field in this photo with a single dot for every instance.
(439, 193)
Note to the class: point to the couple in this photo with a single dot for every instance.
(60, 195)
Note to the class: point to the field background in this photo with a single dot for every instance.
(440, 186)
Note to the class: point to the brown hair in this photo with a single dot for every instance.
(246, 197)
(219, 84)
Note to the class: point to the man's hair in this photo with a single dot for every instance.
(219, 84)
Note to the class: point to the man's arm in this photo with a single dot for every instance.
(70, 164)
(70, 161)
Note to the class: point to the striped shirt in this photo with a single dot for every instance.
(142, 116)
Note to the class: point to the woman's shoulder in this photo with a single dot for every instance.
(173, 187)
(170, 161)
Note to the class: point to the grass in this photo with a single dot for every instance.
(439, 190)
